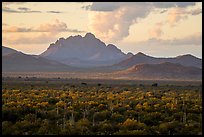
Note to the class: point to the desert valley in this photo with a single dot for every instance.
(102, 68)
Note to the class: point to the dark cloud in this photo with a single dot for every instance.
(104, 6)
(196, 11)
(24, 9)
(54, 12)
(88, 7)
(185, 4)
(111, 6)
(20, 10)
(173, 4)
(6, 9)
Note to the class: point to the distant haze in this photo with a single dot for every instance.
(79, 56)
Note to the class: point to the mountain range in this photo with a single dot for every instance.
(15, 61)
(162, 71)
(141, 58)
(88, 53)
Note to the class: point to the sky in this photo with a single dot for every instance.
(159, 29)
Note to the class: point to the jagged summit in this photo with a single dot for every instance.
(89, 35)
(141, 54)
(111, 46)
(139, 58)
(87, 48)
(129, 53)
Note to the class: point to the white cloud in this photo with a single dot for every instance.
(115, 25)
(156, 32)
(111, 21)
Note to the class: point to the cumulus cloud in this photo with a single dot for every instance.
(111, 21)
(55, 27)
(173, 17)
(155, 32)
(115, 25)
(177, 14)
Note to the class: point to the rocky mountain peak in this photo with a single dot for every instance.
(140, 54)
(89, 35)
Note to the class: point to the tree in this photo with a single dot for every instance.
(131, 124)
(105, 127)
(83, 126)
(7, 128)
